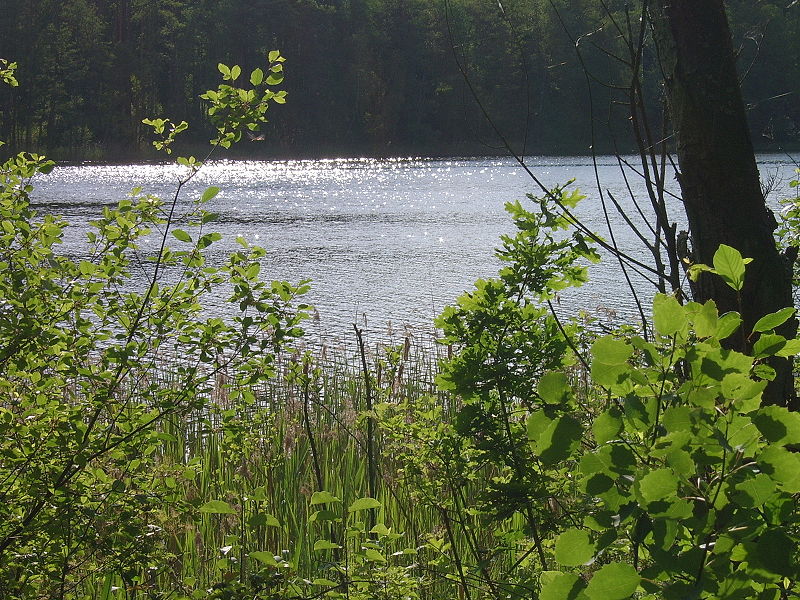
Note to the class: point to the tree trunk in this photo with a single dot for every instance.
(718, 173)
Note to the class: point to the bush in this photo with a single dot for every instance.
(642, 468)
(93, 368)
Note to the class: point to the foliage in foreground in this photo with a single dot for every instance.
(653, 471)
(85, 349)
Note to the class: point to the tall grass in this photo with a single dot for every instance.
(265, 459)
(257, 457)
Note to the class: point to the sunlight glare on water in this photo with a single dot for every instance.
(393, 239)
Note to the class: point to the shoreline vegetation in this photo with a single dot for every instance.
(251, 473)
(103, 156)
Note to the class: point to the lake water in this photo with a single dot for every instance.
(385, 242)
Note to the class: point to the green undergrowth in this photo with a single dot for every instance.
(270, 484)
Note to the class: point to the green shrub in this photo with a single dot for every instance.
(648, 468)
(93, 367)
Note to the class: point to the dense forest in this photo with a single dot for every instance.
(379, 77)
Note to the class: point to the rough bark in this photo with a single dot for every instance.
(718, 174)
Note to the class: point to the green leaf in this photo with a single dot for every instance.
(729, 264)
(264, 557)
(669, 317)
(742, 434)
(263, 520)
(607, 425)
(273, 55)
(325, 545)
(561, 586)
(225, 70)
(209, 193)
(657, 485)
(252, 270)
(87, 268)
(236, 70)
(323, 497)
(614, 458)
(783, 466)
(614, 581)
(181, 235)
(217, 507)
(739, 386)
(364, 504)
(728, 324)
(768, 344)
(778, 425)
(773, 320)
(559, 440)
(704, 317)
(536, 424)
(791, 348)
(323, 515)
(206, 240)
(756, 491)
(574, 548)
(609, 375)
(610, 351)
(381, 529)
(764, 371)
(774, 553)
(256, 77)
(373, 555)
(697, 268)
(681, 462)
(325, 582)
(677, 418)
(732, 361)
(554, 388)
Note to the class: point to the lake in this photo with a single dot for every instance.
(386, 243)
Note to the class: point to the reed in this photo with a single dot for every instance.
(303, 433)
(310, 428)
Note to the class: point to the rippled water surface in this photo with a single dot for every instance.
(395, 240)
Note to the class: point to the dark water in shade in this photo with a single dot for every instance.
(389, 241)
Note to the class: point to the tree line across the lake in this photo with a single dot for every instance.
(367, 76)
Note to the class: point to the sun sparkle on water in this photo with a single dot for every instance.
(397, 239)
